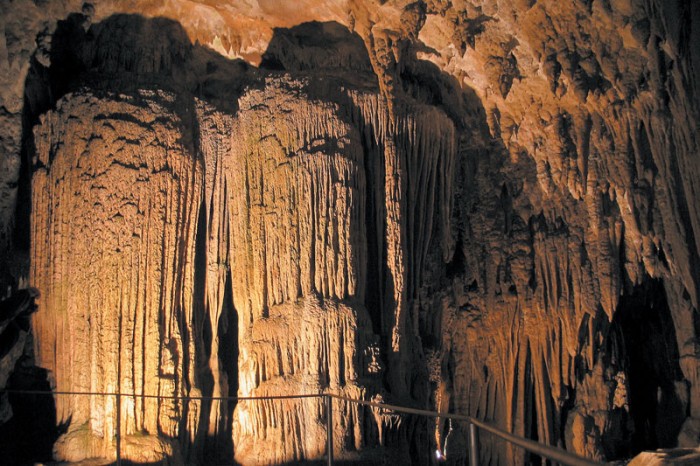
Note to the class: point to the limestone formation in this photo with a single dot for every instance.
(119, 197)
(488, 208)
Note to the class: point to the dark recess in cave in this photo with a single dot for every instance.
(203, 323)
(317, 46)
(202, 326)
(644, 321)
(228, 352)
(531, 430)
(28, 437)
(375, 246)
(457, 265)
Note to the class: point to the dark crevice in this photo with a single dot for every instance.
(643, 319)
(28, 437)
(374, 230)
(202, 328)
(38, 99)
(228, 356)
(531, 426)
(457, 266)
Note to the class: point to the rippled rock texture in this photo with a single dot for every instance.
(487, 208)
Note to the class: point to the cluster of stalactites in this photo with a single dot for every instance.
(114, 218)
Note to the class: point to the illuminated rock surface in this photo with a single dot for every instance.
(120, 197)
(487, 208)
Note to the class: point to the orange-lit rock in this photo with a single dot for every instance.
(119, 196)
(294, 187)
(482, 207)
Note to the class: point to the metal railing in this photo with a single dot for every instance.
(548, 452)
(545, 451)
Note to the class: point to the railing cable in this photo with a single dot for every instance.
(552, 453)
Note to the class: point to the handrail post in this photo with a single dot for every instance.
(473, 445)
(119, 429)
(329, 429)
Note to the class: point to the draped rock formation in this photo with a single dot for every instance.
(487, 208)
(119, 197)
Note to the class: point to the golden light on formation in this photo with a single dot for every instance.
(459, 208)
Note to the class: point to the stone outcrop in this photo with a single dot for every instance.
(487, 208)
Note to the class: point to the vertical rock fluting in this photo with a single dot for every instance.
(113, 227)
(297, 166)
(295, 190)
(215, 145)
(585, 198)
(511, 250)
(411, 155)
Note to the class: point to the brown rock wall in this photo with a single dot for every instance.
(505, 221)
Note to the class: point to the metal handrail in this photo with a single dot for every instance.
(547, 451)
(552, 453)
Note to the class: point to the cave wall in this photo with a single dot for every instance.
(461, 206)
(586, 198)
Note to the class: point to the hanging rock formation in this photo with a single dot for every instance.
(487, 208)
(175, 199)
(119, 197)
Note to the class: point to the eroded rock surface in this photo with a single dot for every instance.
(488, 208)
(120, 198)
